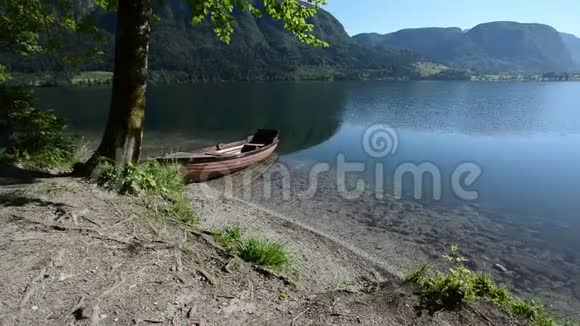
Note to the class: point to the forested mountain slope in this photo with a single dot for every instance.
(490, 47)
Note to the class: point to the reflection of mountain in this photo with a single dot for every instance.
(306, 114)
(84, 109)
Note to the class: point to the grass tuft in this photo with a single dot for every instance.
(160, 185)
(259, 251)
(264, 252)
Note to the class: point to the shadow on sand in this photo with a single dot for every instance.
(11, 175)
(14, 199)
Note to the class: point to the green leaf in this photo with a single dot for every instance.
(4, 76)
(294, 15)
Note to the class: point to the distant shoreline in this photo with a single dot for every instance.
(104, 78)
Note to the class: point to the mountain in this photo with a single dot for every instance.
(437, 43)
(489, 47)
(573, 44)
(260, 49)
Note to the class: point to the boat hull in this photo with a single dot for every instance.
(205, 171)
(224, 159)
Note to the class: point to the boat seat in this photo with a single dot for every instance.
(262, 138)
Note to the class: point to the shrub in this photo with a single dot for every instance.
(461, 286)
(450, 290)
(533, 311)
(36, 138)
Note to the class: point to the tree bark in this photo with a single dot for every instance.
(121, 141)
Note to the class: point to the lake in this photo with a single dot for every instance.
(501, 162)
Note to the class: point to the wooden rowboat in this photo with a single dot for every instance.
(223, 159)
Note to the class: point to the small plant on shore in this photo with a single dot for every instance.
(160, 186)
(36, 138)
(150, 177)
(259, 251)
(462, 286)
(418, 275)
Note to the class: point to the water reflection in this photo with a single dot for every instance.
(306, 114)
(186, 117)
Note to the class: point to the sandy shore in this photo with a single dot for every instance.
(394, 236)
(73, 254)
(322, 261)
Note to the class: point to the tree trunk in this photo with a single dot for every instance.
(122, 139)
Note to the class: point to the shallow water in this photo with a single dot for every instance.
(522, 138)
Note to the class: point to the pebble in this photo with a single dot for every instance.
(63, 276)
(500, 268)
(34, 307)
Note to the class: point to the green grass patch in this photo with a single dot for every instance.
(159, 185)
(264, 252)
(259, 251)
(460, 285)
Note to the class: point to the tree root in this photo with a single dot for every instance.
(94, 233)
(29, 290)
(270, 273)
(207, 276)
(298, 316)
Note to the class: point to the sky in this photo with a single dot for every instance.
(385, 16)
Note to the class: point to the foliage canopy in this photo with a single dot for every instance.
(292, 13)
(30, 27)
